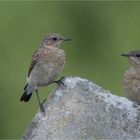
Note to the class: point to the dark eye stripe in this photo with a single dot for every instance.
(137, 55)
(54, 38)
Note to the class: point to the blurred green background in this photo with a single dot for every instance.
(100, 32)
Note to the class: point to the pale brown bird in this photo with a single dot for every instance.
(132, 76)
(47, 62)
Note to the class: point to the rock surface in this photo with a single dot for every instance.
(80, 109)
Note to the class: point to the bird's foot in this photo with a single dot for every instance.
(42, 108)
(60, 81)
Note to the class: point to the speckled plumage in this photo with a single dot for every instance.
(48, 66)
(132, 84)
(47, 62)
(132, 77)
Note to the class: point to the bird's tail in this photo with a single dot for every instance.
(27, 93)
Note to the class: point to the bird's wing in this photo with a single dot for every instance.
(35, 58)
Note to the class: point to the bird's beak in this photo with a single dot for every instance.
(126, 55)
(66, 39)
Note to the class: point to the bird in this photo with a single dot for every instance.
(132, 76)
(47, 62)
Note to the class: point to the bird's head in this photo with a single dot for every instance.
(133, 56)
(53, 40)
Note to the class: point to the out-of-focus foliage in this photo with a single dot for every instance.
(100, 32)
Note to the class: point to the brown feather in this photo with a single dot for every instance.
(35, 58)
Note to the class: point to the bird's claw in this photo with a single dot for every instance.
(60, 81)
(42, 108)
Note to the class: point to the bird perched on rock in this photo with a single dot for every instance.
(132, 76)
(47, 62)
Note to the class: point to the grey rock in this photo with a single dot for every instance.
(80, 109)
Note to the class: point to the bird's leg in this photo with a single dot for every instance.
(60, 81)
(40, 104)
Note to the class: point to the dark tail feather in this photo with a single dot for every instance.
(26, 95)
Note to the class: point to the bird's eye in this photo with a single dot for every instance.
(54, 38)
(137, 55)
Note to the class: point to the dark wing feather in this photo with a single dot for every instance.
(35, 58)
